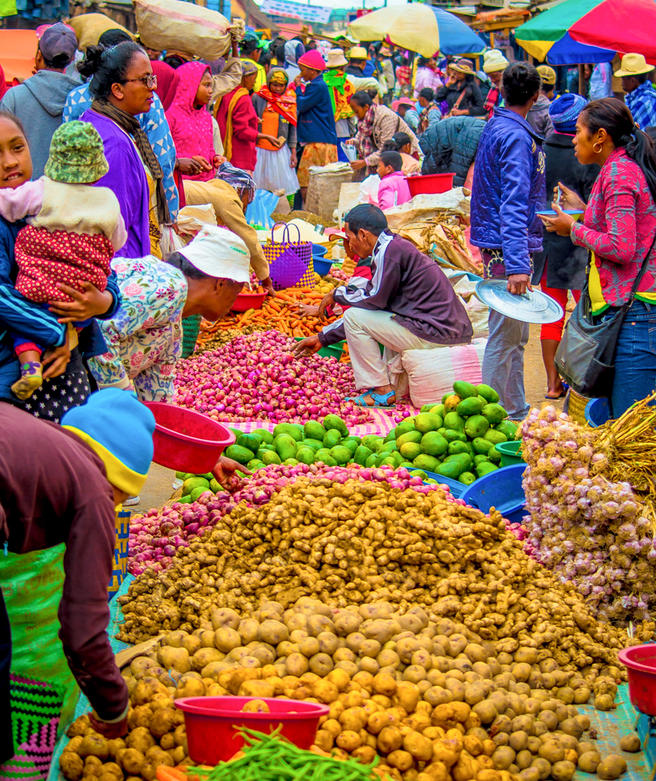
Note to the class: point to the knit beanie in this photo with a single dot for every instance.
(119, 429)
(77, 155)
(565, 110)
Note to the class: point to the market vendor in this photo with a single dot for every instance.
(408, 305)
(61, 485)
(144, 338)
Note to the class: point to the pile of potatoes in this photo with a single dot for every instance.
(432, 698)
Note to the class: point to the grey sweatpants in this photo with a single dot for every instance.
(503, 362)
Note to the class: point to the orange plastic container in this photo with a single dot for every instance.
(185, 440)
(429, 184)
(640, 662)
(245, 301)
(213, 723)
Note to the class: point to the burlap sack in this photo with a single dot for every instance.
(89, 27)
(323, 191)
(181, 26)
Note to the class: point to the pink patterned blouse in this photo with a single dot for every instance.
(619, 226)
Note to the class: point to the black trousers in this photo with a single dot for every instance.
(6, 741)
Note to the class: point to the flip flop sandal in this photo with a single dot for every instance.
(560, 395)
(380, 400)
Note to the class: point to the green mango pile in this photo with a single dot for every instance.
(456, 438)
(195, 485)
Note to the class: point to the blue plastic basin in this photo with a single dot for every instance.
(501, 489)
(321, 267)
(455, 486)
(597, 412)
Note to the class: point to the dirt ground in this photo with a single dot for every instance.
(159, 485)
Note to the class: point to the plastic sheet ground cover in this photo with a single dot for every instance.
(115, 619)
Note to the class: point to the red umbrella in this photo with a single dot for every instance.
(622, 25)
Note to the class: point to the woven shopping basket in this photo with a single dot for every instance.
(290, 261)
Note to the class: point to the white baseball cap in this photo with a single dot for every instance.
(220, 253)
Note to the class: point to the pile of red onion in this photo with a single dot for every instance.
(256, 377)
(155, 536)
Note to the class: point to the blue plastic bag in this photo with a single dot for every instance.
(260, 209)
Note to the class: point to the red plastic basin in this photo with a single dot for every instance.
(212, 724)
(185, 440)
(640, 662)
(245, 301)
(429, 184)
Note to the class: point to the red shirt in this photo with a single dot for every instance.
(244, 129)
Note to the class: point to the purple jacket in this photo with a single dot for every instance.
(126, 178)
(411, 286)
(393, 190)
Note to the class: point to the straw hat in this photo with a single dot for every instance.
(633, 65)
(462, 65)
(358, 53)
(494, 60)
(335, 59)
(547, 74)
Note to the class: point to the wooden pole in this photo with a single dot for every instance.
(581, 80)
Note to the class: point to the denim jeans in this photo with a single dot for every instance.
(635, 358)
(503, 362)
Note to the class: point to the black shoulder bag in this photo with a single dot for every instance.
(585, 357)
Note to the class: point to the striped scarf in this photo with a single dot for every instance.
(363, 138)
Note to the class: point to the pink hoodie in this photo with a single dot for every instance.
(393, 190)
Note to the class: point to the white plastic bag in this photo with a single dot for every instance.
(369, 189)
(431, 373)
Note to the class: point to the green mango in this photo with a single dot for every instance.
(285, 446)
(484, 468)
(192, 483)
(479, 458)
(494, 436)
(408, 424)
(198, 492)
(184, 499)
(423, 461)
(457, 447)
(469, 406)
(388, 447)
(494, 456)
(410, 450)
(290, 462)
(453, 421)
(410, 436)
(314, 430)
(215, 485)
(425, 422)
(352, 443)
(361, 455)
(315, 444)
(508, 428)
(450, 435)
(494, 413)
(373, 442)
(419, 473)
(270, 457)
(388, 462)
(332, 438)
(372, 460)
(241, 454)
(390, 435)
(180, 475)
(481, 445)
(264, 435)
(255, 464)
(449, 469)
(291, 429)
(465, 460)
(305, 455)
(407, 464)
(438, 409)
(249, 441)
(467, 477)
(322, 454)
(336, 423)
(464, 389)
(434, 444)
(476, 426)
(341, 454)
(487, 393)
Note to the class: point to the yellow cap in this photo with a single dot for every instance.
(547, 74)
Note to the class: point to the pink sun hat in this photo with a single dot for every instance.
(312, 59)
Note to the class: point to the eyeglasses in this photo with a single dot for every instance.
(150, 80)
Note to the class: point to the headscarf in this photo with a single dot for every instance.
(168, 79)
(248, 67)
(191, 127)
(293, 50)
(237, 178)
(565, 110)
(364, 142)
(341, 90)
(132, 127)
(284, 104)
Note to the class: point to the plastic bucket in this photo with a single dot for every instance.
(640, 662)
(212, 724)
(510, 452)
(321, 266)
(185, 440)
(245, 301)
(429, 184)
(597, 412)
(501, 489)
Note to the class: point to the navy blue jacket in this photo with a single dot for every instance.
(508, 189)
(316, 120)
(20, 317)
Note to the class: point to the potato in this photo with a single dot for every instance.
(348, 740)
(204, 656)
(346, 622)
(419, 746)
(630, 742)
(162, 721)
(321, 664)
(176, 658)
(611, 766)
(190, 687)
(503, 757)
(354, 719)
(140, 739)
(588, 761)
(296, 664)
(72, 765)
(324, 740)
(226, 639)
(273, 632)
(486, 711)
(94, 745)
(543, 766)
(389, 739)
(446, 750)
(224, 617)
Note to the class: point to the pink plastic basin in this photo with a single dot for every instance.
(212, 724)
(185, 440)
(429, 184)
(245, 301)
(640, 662)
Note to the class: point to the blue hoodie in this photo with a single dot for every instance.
(508, 189)
(316, 119)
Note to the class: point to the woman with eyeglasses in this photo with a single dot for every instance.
(122, 86)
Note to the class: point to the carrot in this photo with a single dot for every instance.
(165, 773)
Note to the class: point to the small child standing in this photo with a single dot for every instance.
(393, 189)
(73, 231)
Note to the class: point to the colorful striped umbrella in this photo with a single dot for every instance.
(419, 28)
(578, 31)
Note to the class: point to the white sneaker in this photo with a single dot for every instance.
(131, 501)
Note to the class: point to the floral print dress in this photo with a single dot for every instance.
(144, 338)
